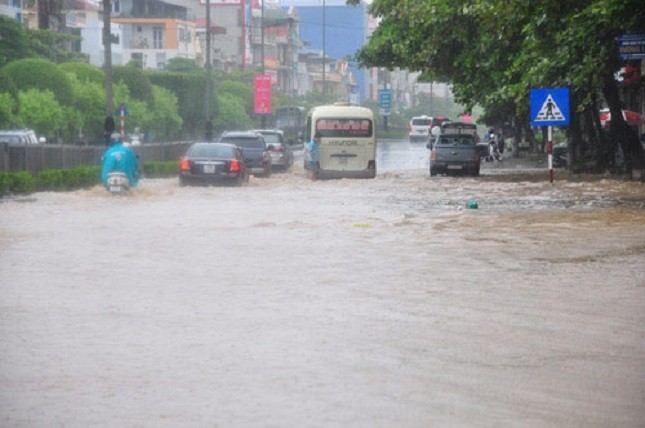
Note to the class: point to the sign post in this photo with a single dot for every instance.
(550, 107)
(385, 102)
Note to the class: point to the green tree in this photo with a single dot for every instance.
(137, 82)
(40, 111)
(495, 51)
(7, 109)
(84, 72)
(39, 74)
(166, 123)
(233, 116)
(239, 90)
(14, 41)
(86, 122)
(183, 65)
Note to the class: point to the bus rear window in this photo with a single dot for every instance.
(344, 127)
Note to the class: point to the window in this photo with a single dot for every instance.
(344, 127)
(116, 6)
(157, 37)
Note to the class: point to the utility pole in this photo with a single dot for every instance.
(208, 125)
(262, 54)
(324, 81)
(109, 125)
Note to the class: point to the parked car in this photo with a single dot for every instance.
(18, 136)
(455, 150)
(281, 152)
(210, 163)
(256, 151)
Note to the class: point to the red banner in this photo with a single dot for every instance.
(262, 94)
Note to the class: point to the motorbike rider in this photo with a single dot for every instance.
(119, 158)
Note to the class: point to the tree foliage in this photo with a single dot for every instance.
(137, 82)
(40, 111)
(494, 51)
(15, 44)
(84, 72)
(39, 74)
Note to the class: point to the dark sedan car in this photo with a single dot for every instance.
(210, 163)
(256, 152)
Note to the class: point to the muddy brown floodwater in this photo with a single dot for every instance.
(353, 303)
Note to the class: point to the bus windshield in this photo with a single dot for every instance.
(344, 127)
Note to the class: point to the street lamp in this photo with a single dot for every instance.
(324, 81)
(207, 84)
(109, 125)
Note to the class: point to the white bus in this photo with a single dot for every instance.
(348, 140)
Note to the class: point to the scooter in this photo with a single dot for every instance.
(118, 183)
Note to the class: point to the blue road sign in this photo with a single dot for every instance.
(631, 46)
(550, 107)
(385, 101)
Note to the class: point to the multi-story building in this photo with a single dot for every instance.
(154, 31)
(228, 29)
(275, 38)
(344, 32)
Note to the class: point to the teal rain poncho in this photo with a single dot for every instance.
(122, 159)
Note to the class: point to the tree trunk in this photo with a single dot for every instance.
(628, 139)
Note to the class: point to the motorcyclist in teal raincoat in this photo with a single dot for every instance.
(120, 158)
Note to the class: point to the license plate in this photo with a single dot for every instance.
(454, 166)
(342, 160)
(209, 169)
(115, 188)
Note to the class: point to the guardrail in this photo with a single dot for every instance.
(41, 157)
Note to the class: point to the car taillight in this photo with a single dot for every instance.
(433, 154)
(235, 165)
(184, 165)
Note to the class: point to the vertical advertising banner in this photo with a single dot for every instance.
(262, 94)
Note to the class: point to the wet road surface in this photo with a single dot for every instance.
(359, 303)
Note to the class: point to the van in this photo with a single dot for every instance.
(348, 140)
(18, 136)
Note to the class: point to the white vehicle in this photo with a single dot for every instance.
(419, 128)
(18, 136)
(348, 140)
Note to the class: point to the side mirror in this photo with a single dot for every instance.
(429, 145)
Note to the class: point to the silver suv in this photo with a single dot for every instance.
(419, 128)
(18, 136)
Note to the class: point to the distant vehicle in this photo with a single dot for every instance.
(210, 163)
(348, 140)
(455, 150)
(281, 152)
(419, 128)
(256, 152)
(291, 120)
(18, 136)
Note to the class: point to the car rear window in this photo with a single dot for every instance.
(211, 151)
(342, 127)
(456, 140)
(272, 139)
(421, 122)
(246, 143)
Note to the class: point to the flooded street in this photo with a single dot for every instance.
(353, 303)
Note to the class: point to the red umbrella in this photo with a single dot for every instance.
(631, 117)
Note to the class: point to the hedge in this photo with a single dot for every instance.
(71, 179)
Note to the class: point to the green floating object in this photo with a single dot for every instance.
(472, 205)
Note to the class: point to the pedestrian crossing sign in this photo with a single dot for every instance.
(550, 107)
